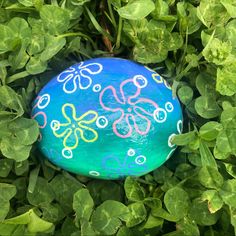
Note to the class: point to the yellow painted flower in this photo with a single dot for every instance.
(75, 127)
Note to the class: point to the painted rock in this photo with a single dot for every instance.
(107, 118)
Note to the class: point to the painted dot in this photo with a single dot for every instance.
(180, 126)
(169, 107)
(140, 160)
(101, 122)
(170, 144)
(55, 125)
(129, 109)
(170, 154)
(140, 81)
(94, 173)
(67, 153)
(131, 152)
(160, 115)
(97, 88)
(157, 78)
(167, 85)
(44, 101)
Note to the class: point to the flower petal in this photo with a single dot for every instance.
(122, 127)
(70, 85)
(69, 111)
(145, 105)
(109, 100)
(128, 90)
(71, 140)
(65, 75)
(84, 82)
(141, 123)
(87, 134)
(91, 68)
(88, 117)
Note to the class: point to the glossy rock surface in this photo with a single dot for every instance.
(107, 118)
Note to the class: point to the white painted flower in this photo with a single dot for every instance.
(78, 75)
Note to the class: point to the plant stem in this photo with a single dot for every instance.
(17, 76)
(71, 34)
(119, 33)
(111, 13)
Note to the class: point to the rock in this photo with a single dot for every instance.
(107, 118)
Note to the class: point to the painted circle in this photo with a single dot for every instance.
(94, 173)
(169, 107)
(101, 122)
(140, 81)
(67, 153)
(167, 85)
(169, 140)
(140, 160)
(55, 125)
(43, 101)
(180, 126)
(131, 152)
(97, 88)
(160, 115)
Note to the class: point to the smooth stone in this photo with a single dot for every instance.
(107, 118)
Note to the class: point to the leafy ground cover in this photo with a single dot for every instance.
(192, 44)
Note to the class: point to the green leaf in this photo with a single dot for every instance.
(7, 39)
(228, 192)
(14, 150)
(64, 188)
(138, 214)
(136, 9)
(36, 65)
(218, 52)
(185, 94)
(7, 192)
(153, 222)
(210, 130)
(83, 204)
(5, 167)
(133, 190)
(205, 84)
(200, 214)
(34, 222)
(55, 19)
(42, 193)
(105, 190)
(207, 158)
(10, 99)
(187, 17)
(21, 30)
(215, 202)
(231, 32)
(210, 178)
(53, 46)
(107, 217)
(22, 133)
(177, 202)
(212, 13)
(184, 139)
(21, 167)
(207, 107)
(225, 83)
(226, 139)
(187, 227)
(230, 7)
